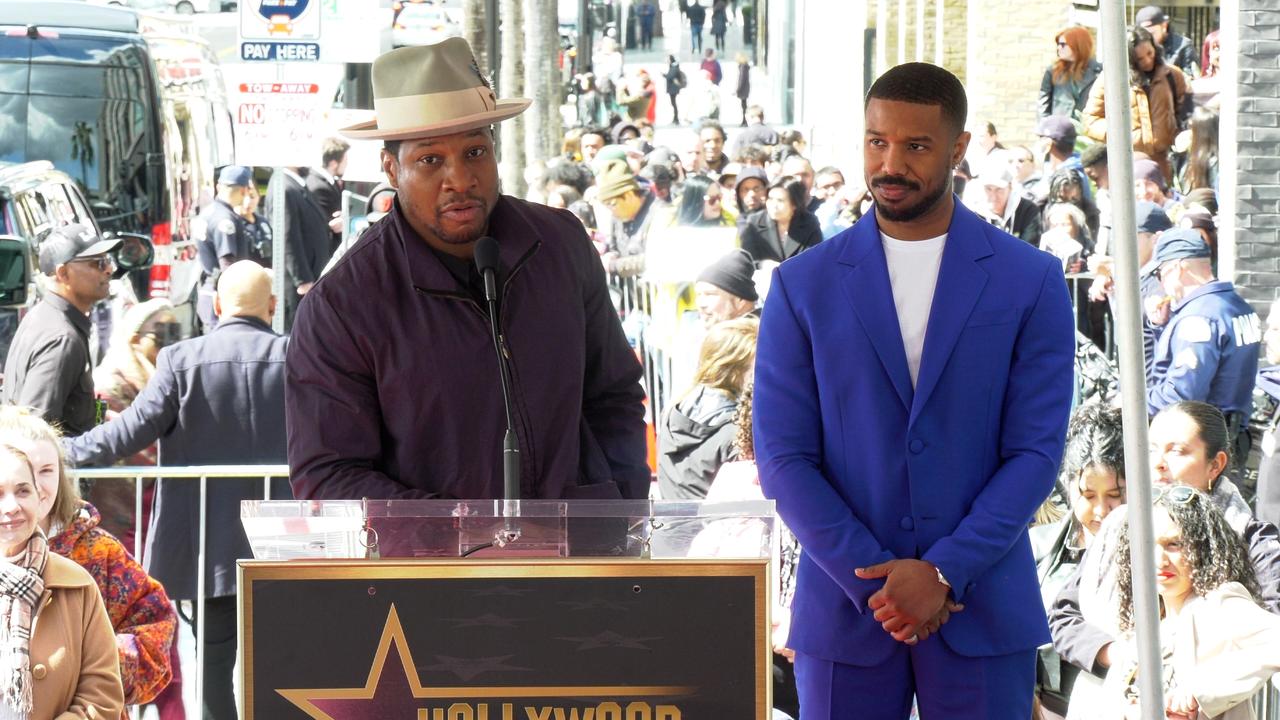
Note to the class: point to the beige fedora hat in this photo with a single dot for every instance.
(431, 90)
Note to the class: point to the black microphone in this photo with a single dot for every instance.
(486, 257)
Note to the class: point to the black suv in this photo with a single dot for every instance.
(34, 199)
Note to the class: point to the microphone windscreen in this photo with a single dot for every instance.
(486, 253)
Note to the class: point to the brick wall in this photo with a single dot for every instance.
(1257, 176)
(998, 48)
(1010, 43)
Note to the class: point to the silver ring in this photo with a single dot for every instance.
(913, 639)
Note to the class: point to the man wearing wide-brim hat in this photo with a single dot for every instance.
(393, 382)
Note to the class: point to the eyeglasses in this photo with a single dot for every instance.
(1061, 44)
(1162, 270)
(1179, 494)
(102, 262)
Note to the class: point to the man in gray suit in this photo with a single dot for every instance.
(214, 400)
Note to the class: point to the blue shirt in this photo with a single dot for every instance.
(1208, 351)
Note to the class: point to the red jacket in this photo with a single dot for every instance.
(392, 386)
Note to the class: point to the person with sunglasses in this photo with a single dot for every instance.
(1219, 645)
(49, 365)
(1188, 447)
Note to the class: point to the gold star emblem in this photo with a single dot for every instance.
(391, 694)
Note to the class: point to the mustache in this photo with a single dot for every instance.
(893, 180)
(461, 198)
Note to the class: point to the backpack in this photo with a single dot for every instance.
(680, 81)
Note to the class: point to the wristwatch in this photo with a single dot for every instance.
(941, 578)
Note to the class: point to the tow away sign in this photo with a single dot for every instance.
(277, 123)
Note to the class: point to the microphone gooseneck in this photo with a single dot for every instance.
(486, 259)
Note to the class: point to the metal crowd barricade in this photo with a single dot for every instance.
(202, 473)
(634, 301)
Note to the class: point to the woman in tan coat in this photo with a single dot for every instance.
(1156, 91)
(58, 658)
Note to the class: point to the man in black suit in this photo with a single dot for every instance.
(307, 238)
(325, 185)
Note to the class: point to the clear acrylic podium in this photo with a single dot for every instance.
(375, 529)
(445, 609)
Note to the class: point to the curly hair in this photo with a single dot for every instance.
(1214, 552)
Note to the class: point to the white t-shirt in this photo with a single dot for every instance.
(913, 274)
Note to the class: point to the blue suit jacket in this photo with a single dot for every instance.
(865, 468)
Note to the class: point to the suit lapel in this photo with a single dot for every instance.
(866, 286)
(960, 284)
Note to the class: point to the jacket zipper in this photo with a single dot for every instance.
(523, 435)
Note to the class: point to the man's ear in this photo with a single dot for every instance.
(961, 146)
(390, 168)
(217, 306)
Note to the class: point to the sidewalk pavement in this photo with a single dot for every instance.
(677, 41)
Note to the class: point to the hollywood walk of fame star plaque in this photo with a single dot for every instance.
(505, 640)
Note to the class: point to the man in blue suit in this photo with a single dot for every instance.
(913, 382)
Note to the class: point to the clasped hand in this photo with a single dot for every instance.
(913, 604)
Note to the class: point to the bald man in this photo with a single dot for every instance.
(214, 400)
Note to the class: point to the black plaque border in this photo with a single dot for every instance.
(251, 571)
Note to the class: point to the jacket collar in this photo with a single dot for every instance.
(60, 572)
(517, 234)
(77, 319)
(245, 323)
(1209, 288)
(960, 283)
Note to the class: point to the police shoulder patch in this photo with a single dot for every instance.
(1195, 330)
(226, 226)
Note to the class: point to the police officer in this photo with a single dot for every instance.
(1209, 349)
(221, 236)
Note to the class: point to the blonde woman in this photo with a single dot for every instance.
(125, 370)
(697, 434)
(143, 619)
(58, 654)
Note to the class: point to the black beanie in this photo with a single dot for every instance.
(732, 273)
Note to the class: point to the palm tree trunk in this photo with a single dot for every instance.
(473, 29)
(537, 65)
(554, 123)
(511, 84)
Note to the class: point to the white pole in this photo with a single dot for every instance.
(882, 27)
(920, 30)
(939, 10)
(1115, 47)
(902, 31)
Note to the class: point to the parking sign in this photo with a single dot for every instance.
(280, 30)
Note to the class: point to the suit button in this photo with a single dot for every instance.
(39, 671)
(916, 446)
(907, 523)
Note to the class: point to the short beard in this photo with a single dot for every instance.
(913, 212)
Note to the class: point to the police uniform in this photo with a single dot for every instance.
(1209, 352)
(220, 232)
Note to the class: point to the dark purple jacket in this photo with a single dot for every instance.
(392, 381)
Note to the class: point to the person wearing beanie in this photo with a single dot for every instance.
(726, 289)
(217, 399)
(1149, 184)
(631, 206)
